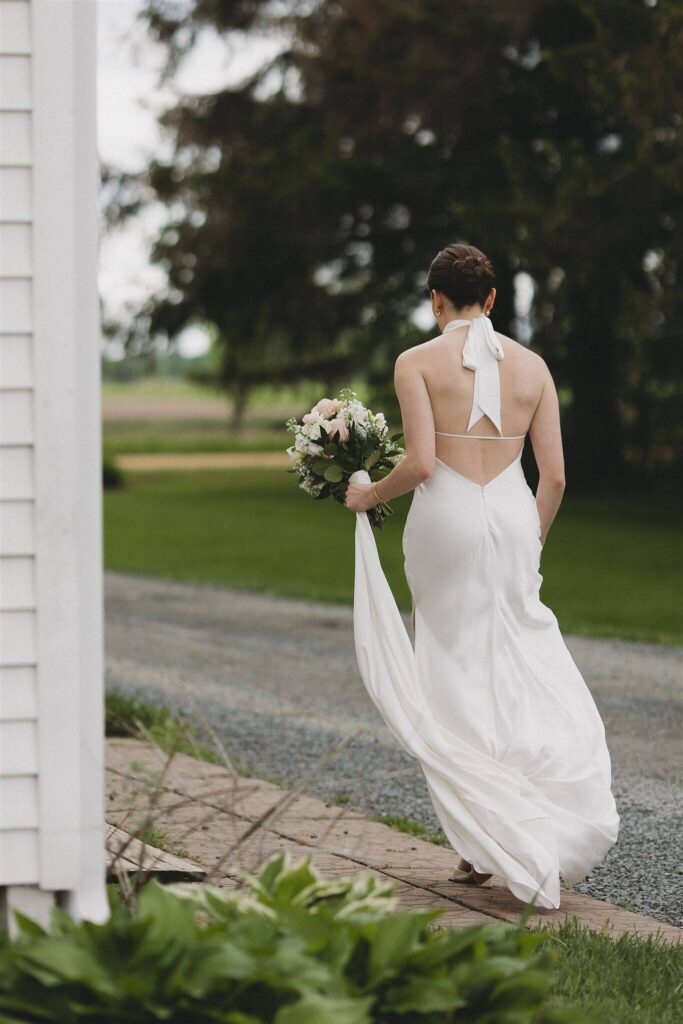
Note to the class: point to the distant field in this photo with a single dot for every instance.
(158, 415)
(611, 567)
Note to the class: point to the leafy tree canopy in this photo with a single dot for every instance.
(306, 203)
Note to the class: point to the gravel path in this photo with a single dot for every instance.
(277, 681)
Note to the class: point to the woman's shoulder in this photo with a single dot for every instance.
(415, 354)
(523, 353)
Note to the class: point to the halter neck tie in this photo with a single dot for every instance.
(482, 352)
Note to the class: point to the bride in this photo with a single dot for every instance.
(488, 698)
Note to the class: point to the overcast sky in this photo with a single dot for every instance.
(128, 102)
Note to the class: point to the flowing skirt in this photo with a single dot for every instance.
(489, 699)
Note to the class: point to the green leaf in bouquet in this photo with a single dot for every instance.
(373, 458)
(334, 473)
(367, 445)
(324, 492)
(347, 460)
(330, 448)
(396, 437)
(319, 465)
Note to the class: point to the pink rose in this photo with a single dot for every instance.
(326, 406)
(311, 417)
(338, 425)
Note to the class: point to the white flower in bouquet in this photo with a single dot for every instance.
(356, 413)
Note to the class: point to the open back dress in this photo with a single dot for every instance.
(489, 699)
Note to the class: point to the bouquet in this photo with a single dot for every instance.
(340, 440)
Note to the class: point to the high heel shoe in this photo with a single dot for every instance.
(458, 875)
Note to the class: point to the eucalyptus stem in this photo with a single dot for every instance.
(379, 514)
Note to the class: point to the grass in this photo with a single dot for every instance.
(412, 828)
(579, 981)
(629, 980)
(178, 389)
(611, 566)
(162, 437)
(126, 716)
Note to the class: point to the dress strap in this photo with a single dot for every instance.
(482, 352)
(484, 437)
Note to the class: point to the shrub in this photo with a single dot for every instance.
(112, 477)
(291, 948)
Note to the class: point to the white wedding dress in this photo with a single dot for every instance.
(489, 700)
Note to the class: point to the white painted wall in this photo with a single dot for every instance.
(51, 729)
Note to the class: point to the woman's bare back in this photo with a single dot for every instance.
(451, 386)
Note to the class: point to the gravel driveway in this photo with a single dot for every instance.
(277, 681)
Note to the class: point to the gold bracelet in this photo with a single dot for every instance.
(376, 492)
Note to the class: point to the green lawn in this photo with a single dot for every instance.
(145, 437)
(631, 980)
(611, 567)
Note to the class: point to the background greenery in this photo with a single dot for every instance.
(305, 203)
(256, 530)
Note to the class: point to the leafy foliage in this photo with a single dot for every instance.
(292, 949)
(306, 201)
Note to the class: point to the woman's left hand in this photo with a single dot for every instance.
(360, 497)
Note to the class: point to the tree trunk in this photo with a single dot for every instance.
(593, 441)
(240, 398)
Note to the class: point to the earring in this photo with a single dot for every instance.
(488, 312)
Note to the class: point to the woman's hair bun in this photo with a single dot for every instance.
(463, 273)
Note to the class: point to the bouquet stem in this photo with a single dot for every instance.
(379, 515)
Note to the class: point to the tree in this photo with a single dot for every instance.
(548, 133)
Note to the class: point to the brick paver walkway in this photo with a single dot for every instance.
(225, 822)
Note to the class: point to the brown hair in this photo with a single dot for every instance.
(464, 275)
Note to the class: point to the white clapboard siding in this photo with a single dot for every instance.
(16, 472)
(15, 193)
(17, 638)
(15, 250)
(17, 533)
(51, 700)
(15, 137)
(15, 83)
(16, 417)
(18, 748)
(19, 856)
(16, 304)
(17, 584)
(15, 27)
(16, 360)
(19, 801)
(18, 693)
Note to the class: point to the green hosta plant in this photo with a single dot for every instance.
(290, 948)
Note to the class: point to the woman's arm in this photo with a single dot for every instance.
(546, 438)
(418, 431)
